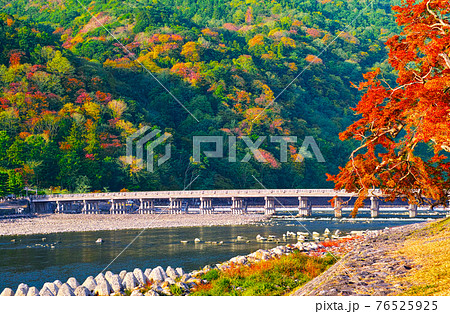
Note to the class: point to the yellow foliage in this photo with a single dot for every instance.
(124, 63)
(147, 60)
(326, 38)
(190, 51)
(164, 38)
(136, 165)
(126, 126)
(69, 108)
(92, 109)
(273, 31)
(288, 42)
(117, 107)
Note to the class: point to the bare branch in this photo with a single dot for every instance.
(446, 59)
(441, 22)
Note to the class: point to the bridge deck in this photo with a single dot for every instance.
(194, 194)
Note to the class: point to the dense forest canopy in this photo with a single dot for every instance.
(75, 82)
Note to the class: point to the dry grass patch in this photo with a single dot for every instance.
(429, 248)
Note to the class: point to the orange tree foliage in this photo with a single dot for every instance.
(256, 40)
(396, 119)
(313, 59)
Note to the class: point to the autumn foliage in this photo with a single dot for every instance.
(74, 84)
(400, 123)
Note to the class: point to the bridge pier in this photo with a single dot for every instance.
(338, 207)
(118, 207)
(146, 206)
(412, 210)
(304, 208)
(73, 207)
(62, 207)
(90, 208)
(32, 206)
(374, 207)
(269, 206)
(237, 206)
(42, 207)
(123, 207)
(175, 206)
(59, 208)
(206, 206)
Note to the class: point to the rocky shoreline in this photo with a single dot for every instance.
(160, 282)
(56, 223)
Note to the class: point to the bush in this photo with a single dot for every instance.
(274, 277)
(211, 275)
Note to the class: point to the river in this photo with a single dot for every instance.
(36, 259)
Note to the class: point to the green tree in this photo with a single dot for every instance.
(15, 182)
(82, 185)
(60, 64)
(3, 182)
(4, 145)
(142, 22)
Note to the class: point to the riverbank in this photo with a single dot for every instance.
(274, 272)
(56, 223)
(406, 260)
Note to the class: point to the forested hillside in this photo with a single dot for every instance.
(72, 90)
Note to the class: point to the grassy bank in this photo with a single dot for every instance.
(429, 248)
(272, 277)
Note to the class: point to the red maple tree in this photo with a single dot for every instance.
(396, 120)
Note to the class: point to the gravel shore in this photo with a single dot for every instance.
(368, 268)
(53, 223)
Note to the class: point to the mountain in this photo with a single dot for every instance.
(78, 77)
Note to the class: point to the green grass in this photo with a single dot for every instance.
(175, 290)
(274, 277)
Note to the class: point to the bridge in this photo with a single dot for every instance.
(202, 201)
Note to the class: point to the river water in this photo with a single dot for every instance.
(34, 260)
